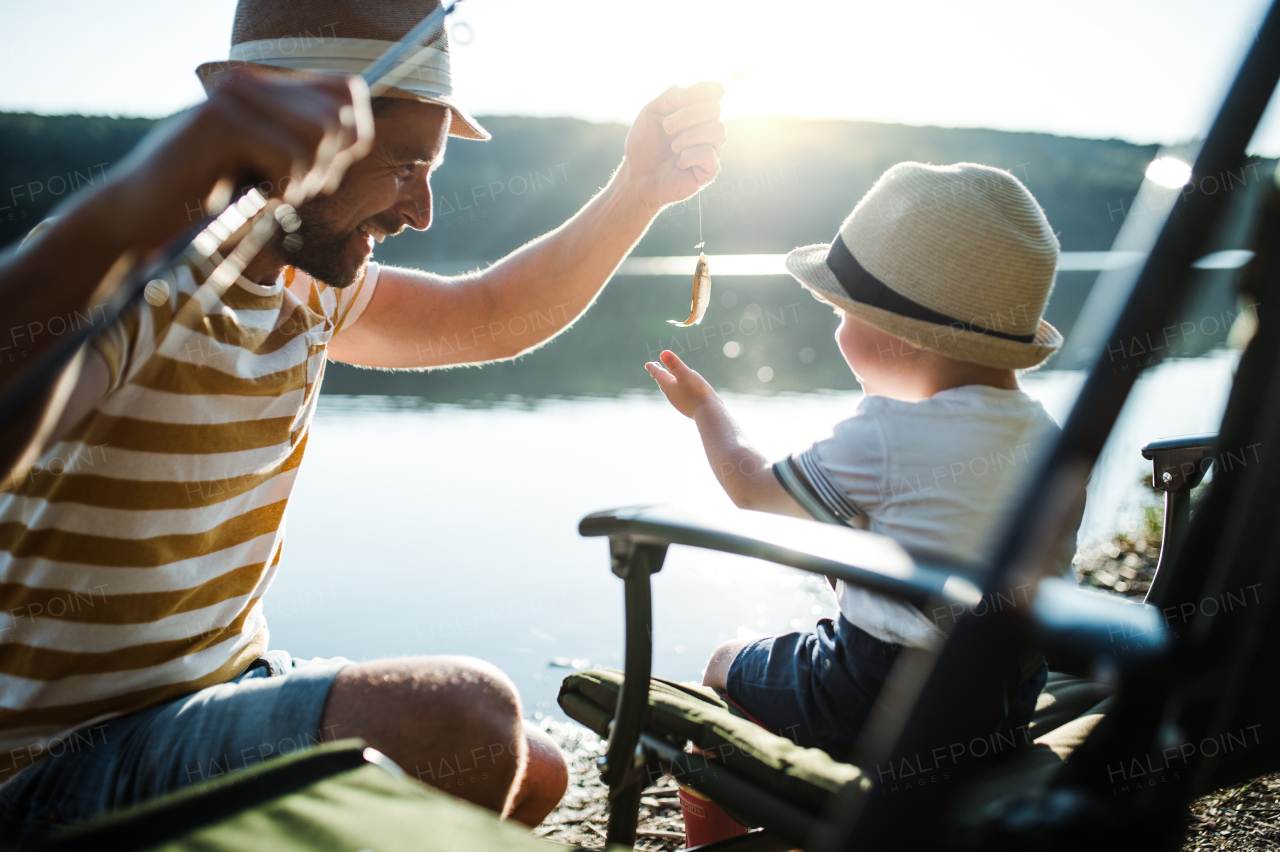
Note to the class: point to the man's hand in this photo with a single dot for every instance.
(294, 138)
(673, 148)
(683, 387)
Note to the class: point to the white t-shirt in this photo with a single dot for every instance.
(937, 476)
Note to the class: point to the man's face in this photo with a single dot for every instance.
(380, 196)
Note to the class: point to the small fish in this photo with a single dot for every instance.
(701, 293)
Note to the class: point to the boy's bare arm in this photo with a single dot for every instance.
(746, 475)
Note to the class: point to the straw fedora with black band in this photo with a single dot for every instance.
(956, 259)
(343, 37)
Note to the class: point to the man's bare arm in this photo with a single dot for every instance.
(89, 247)
(418, 320)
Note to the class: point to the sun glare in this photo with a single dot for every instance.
(1169, 171)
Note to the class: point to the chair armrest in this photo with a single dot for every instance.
(1078, 627)
(1179, 461)
(864, 559)
(1177, 466)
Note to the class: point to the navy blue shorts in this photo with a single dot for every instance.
(817, 687)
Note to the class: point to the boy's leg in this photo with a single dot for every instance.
(705, 821)
(717, 672)
(814, 687)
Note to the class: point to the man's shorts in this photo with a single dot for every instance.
(275, 707)
(816, 688)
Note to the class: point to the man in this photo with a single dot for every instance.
(142, 516)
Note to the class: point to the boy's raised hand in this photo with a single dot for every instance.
(681, 385)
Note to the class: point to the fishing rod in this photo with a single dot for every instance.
(246, 208)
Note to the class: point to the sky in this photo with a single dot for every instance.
(1142, 70)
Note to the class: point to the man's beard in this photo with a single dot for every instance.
(324, 253)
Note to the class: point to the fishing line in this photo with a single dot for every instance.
(701, 242)
(701, 272)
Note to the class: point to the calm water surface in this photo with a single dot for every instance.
(448, 529)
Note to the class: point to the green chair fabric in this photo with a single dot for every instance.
(1028, 771)
(1066, 711)
(805, 777)
(326, 799)
(1065, 697)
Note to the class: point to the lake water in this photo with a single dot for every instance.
(452, 529)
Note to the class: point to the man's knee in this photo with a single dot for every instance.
(483, 717)
(485, 693)
(458, 699)
(480, 698)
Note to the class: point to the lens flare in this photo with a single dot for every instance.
(1169, 171)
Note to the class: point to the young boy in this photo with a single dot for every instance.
(940, 276)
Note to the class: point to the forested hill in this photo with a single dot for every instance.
(45, 158)
(786, 182)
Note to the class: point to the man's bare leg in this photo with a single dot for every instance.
(545, 779)
(454, 723)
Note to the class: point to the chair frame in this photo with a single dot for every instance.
(638, 541)
(1177, 466)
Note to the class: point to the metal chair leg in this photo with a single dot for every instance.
(623, 766)
(624, 812)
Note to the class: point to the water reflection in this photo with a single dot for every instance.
(773, 264)
(424, 528)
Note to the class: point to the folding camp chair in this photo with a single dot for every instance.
(761, 778)
(338, 797)
(1192, 704)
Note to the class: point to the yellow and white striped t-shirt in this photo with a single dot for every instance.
(134, 555)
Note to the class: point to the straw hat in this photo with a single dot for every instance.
(956, 259)
(343, 37)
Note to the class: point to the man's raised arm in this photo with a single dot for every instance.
(310, 131)
(418, 320)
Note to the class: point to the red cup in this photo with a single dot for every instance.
(705, 821)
